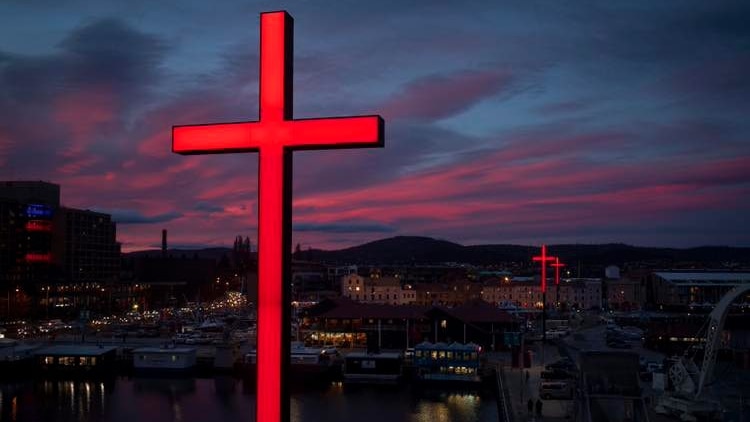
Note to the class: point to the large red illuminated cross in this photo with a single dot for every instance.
(544, 258)
(274, 137)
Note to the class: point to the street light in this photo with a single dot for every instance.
(46, 300)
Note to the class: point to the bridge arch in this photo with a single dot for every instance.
(717, 317)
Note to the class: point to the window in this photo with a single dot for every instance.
(67, 361)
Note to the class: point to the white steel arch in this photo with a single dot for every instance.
(713, 333)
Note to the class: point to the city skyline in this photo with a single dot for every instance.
(513, 124)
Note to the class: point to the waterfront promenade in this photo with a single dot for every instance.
(521, 389)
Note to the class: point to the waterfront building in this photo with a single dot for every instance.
(345, 323)
(580, 293)
(475, 321)
(683, 289)
(624, 294)
(377, 290)
(447, 293)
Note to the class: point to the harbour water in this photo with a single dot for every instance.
(228, 399)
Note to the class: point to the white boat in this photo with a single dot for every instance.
(313, 358)
(168, 359)
(303, 360)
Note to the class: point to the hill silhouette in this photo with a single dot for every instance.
(402, 250)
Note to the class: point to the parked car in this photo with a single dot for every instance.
(564, 364)
(556, 374)
(556, 390)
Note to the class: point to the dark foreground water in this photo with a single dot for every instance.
(227, 399)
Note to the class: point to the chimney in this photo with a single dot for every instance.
(164, 242)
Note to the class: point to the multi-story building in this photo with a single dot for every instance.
(691, 288)
(448, 294)
(624, 294)
(26, 213)
(85, 247)
(48, 251)
(382, 290)
(582, 293)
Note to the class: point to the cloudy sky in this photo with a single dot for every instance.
(506, 122)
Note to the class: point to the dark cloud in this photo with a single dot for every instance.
(207, 207)
(439, 96)
(344, 227)
(136, 217)
(108, 50)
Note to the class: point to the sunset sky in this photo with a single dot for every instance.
(506, 122)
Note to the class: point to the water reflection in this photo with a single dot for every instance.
(449, 407)
(226, 398)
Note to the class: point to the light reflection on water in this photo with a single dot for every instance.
(225, 398)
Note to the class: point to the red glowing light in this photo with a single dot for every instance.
(543, 258)
(274, 137)
(38, 226)
(38, 257)
(557, 265)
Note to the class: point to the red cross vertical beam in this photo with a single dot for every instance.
(544, 258)
(557, 265)
(274, 137)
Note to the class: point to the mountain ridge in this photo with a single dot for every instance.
(401, 250)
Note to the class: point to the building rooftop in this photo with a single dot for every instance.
(704, 279)
(347, 308)
(74, 350)
(165, 350)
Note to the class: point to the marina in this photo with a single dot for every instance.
(191, 399)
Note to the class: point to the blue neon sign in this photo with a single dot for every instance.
(39, 211)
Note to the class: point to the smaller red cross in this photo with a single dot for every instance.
(557, 265)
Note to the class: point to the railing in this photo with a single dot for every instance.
(504, 411)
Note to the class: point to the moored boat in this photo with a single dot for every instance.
(373, 368)
(76, 360)
(161, 360)
(318, 363)
(448, 363)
